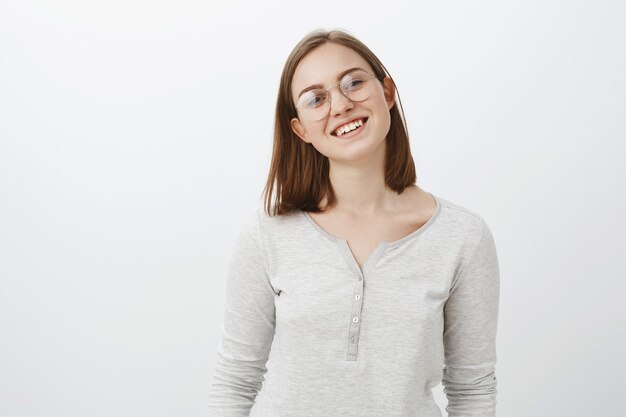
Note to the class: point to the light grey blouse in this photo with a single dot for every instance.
(307, 332)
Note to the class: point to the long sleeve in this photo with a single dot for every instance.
(470, 324)
(248, 327)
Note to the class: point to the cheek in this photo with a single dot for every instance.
(386, 123)
(315, 129)
(380, 102)
(321, 146)
(384, 114)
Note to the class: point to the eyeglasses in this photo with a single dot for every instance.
(356, 86)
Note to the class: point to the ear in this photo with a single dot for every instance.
(298, 129)
(390, 92)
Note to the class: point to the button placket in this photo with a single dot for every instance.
(355, 320)
(357, 301)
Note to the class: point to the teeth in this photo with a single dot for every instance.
(348, 127)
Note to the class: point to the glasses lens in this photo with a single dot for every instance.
(357, 85)
(314, 104)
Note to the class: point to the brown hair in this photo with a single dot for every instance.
(298, 171)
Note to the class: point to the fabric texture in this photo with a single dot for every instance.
(308, 333)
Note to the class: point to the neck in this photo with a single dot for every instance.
(360, 188)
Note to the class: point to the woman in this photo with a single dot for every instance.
(356, 292)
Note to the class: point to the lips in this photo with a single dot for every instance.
(347, 128)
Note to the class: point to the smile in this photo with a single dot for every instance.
(350, 127)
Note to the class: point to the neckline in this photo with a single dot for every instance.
(387, 243)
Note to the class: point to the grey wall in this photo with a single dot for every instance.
(135, 137)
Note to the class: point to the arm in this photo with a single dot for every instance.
(247, 330)
(471, 315)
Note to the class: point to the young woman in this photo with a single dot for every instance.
(356, 292)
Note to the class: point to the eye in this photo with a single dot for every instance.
(353, 84)
(353, 81)
(313, 99)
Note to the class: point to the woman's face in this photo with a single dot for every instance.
(322, 66)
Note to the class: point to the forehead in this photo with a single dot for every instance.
(323, 64)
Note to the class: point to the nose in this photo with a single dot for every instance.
(339, 103)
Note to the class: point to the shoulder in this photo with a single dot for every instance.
(265, 226)
(270, 221)
(460, 216)
(274, 236)
(262, 235)
(464, 225)
(458, 212)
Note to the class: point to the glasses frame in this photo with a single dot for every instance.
(343, 92)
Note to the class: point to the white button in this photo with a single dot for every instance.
(355, 319)
(357, 297)
(360, 278)
(353, 339)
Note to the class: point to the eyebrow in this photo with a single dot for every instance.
(339, 77)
